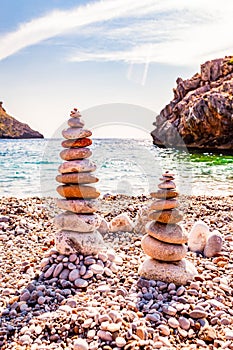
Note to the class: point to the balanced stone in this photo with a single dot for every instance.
(166, 216)
(77, 222)
(167, 185)
(178, 273)
(75, 113)
(77, 206)
(69, 242)
(163, 251)
(76, 143)
(80, 166)
(76, 191)
(76, 133)
(163, 194)
(76, 178)
(167, 174)
(75, 153)
(75, 122)
(164, 204)
(167, 233)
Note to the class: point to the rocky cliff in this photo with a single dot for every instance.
(201, 113)
(10, 128)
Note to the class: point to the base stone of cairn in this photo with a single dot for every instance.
(165, 240)
(78, 224)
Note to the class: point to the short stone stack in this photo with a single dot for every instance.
(78, 224)
(165, 240)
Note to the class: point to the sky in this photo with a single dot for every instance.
(56, 55)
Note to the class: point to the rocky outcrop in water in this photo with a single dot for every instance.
(201, 113)
(10, 128)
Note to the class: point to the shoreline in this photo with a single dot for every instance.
(28, 236)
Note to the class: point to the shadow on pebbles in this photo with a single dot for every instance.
(53, 301)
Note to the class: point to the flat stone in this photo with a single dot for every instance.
(167, 233)
(167, 185)
(76, 178)
(76, 143)
(172, 216)
(97, 269)
(77, 222)
(196, 313)
(69, 242)
(163, 194)
(198, 236)
(77, 205)
(79, 166)
(178, 273)
(164, 204)
(75, 133)
(121, 223)
(163, 251)
(167, 174)
(75, 153)
(76, 122)
(78, 191)
(213, 245)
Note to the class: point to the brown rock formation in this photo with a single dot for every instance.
(10, 128)
(201, 113)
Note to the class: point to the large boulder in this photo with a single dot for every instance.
(200, 115)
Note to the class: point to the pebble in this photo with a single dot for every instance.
(198, 314)
(80, 344)
(80, 283)
(120, 342)
(97, 269)
(172, 321)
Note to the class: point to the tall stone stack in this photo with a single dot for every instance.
(165, 240)
(78, 223)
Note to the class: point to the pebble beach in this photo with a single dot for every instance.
(115, 308)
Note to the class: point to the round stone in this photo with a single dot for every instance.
(76, 133)
(75, 153)
(77, 206)
(164, 204)
(75, 191)
(178, 273)
(76, 122)
(167, 233)
(167, 185)
(166, 216)
(76, 178)
(213, 245)
(76, 143)
(80, 283)
(74, 274)
(79, 166)
(77, 222)
(163, 194)
(69, 242)
(163, 251)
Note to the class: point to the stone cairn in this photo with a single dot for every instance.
(80, 254)
(165, 240)
(78, 223)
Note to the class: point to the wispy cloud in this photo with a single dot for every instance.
(177, 32)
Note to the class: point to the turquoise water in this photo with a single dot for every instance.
(133, 167)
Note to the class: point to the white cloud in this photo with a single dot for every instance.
(177, 32)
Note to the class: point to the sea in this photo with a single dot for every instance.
(28, 168)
